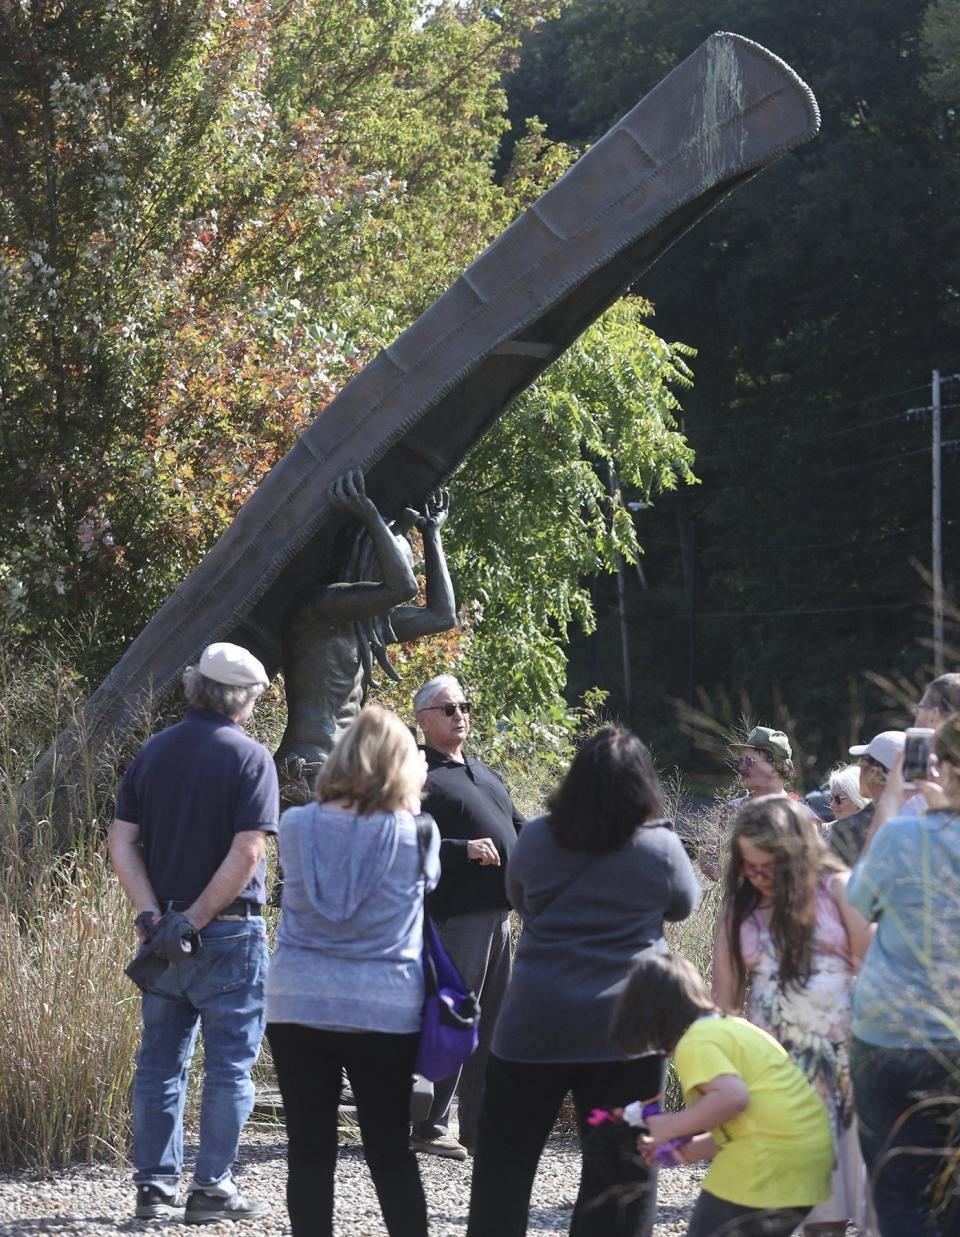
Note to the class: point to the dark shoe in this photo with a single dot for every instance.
(155, 1203)
(204, 1208)
(444, 1145)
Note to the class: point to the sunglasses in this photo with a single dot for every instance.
(448, 710)
(747, 762)
(838, 799)
(873, 764)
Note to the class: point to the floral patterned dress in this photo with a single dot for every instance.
(813, 1023)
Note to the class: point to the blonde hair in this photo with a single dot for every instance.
(375, 764)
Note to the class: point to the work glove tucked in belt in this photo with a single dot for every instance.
(171, 939)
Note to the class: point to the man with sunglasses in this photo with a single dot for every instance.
(764, 763)
(478, 825)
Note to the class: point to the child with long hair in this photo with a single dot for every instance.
(749, 1109)
(788, 942)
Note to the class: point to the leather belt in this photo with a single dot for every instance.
(239, 908)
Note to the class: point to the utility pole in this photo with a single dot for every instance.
(622, 607)
(937, 523)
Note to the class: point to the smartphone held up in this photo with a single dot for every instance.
(916, 755)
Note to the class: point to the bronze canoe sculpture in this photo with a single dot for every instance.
(414, 412)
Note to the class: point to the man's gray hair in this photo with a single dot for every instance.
(225, 698)
(432, 688)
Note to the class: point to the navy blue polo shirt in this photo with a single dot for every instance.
(468, 801)
(191, 788)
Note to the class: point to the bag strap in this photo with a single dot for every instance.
(425, 827)
(424, 823)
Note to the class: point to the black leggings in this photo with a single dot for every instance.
(309, 1066)
(617, 1195)
(715, 1217)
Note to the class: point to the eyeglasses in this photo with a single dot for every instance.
(838, 799)
(747, 762)
(449, 709)
(871, 763)
(757, 871)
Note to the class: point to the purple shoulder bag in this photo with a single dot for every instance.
(451, 1012)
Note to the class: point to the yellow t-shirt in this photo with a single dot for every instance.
(778, 1152)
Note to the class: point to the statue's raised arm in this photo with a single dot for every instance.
(334, 631)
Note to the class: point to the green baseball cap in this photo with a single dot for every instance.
(775, 742)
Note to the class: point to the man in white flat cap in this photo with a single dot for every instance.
(189, 838)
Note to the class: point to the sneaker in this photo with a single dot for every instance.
(444, 1145)
(204, 1208)
(155, 1203)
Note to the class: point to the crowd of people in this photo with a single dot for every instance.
(819, 1065)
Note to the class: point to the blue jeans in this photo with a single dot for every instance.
(905, 1160)
(220, 991)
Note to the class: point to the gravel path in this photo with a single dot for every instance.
(99, 1199)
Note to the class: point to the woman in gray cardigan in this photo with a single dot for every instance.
(593, 881)
(345, 985)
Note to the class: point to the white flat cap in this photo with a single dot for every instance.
(229, 663)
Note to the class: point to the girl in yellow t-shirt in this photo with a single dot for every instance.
(749, 1109)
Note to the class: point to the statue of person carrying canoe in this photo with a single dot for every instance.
(333, 633)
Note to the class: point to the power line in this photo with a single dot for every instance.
(811, 545)
(899, 605)
(831, 472)
(803, 416)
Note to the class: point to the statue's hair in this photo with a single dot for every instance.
(226, 698)
(375, 764)
(432, 688)
(375, 633)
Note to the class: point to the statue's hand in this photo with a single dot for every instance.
(348, 493)
(435, 511)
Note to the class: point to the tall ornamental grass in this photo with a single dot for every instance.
(68, 1014)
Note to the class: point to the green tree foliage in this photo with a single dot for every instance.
(210, 216)
(534, 518)
(819, 298)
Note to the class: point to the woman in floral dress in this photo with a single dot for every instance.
(789, 943)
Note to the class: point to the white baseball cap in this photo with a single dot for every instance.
(885, 747)
(231, 664)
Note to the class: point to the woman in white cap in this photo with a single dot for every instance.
(876, 759)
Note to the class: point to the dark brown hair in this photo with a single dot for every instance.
(779, 826)
(610, 790)
(946, 741)
(663, 997)
(942, 693)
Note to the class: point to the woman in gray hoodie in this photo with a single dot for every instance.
(345, 985)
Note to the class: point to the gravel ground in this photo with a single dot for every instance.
(99, 1199)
